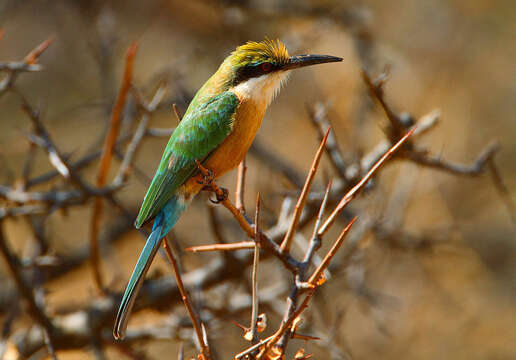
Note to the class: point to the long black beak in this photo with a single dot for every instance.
(307, 60)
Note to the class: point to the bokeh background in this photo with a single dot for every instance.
(453, 299)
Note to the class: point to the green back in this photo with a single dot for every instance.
(203, 128)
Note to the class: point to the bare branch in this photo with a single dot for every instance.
(254, 276)
(240, 187)
(287, 241)
(105, 161)
(28, 64)
(197, 324)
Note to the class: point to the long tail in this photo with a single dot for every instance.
(163, 223)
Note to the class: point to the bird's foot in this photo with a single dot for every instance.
(221, 194)
(207, 175)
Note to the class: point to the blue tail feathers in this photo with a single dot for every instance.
(163, 223)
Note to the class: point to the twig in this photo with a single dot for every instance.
(329, 256)
(315, 241)
(105, 161)
(252, 348)
(477, 168)
(299, 281)
(25, 290)
(52, 197)
(176, 112)
(254, 276)
(196, 322)
(76, 166)
(319, 117)
(285, 325)
(32, 57)
(42, 138)
(222, 247)
(375, 87)
(123, 171)
(27, 64)
(287, 241)
(484, 162)
(350, 195)
(240, 187)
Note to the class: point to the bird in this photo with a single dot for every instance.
(215, 132)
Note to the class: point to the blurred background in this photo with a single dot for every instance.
(450, 295)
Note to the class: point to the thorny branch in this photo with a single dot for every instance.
(85, 325)
(28, 64)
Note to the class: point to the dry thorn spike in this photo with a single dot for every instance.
(287, 241)
(329, 256)
(252, 348)
(222, 247)
(176, 112)
(32, 57)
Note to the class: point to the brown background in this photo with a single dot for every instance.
(454, 300)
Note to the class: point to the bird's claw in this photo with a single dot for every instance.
(207, 175)
(220, 196)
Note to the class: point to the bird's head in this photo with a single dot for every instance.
(256, 70)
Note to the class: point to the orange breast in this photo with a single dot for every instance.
(231, 152)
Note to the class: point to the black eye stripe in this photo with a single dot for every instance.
(252, 71)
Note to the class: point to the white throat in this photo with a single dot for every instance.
(263, 89)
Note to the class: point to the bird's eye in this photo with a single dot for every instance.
(266, 67)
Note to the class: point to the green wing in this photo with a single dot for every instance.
(199, 133)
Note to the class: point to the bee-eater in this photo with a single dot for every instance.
(217, 130)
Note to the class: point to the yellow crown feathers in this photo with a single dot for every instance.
(254, 52)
